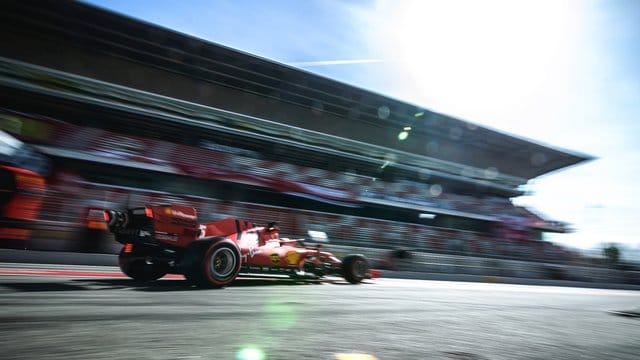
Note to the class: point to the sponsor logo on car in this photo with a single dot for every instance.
(293, 257)
(254, 251)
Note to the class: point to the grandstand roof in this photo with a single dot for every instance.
(74, 25)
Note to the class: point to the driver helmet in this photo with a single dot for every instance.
(273, 231)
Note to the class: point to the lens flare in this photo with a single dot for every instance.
(384, 112)
(435, 190)
(250, 353)
(279, 315)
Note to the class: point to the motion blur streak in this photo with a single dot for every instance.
(72, 273)
(334, 62)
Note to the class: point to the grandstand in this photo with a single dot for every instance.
(131, 112)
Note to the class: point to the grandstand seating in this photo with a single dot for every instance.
(341, 229)
(192, 160)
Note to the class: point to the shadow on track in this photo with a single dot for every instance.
(153, 286)
(184, 285)
(43, 286)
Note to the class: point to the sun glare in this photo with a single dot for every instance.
(470, 56)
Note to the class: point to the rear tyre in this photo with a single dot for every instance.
(355, 268)
(220, 265)
(139, 269)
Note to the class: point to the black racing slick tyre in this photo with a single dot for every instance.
(219, 266)
(355, 268)
(139, 269)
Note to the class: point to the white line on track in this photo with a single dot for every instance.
(477, 286)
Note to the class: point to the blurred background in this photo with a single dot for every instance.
(104, 111)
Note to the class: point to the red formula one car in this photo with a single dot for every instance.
(168, 239)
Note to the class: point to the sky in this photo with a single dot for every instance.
(563, 73)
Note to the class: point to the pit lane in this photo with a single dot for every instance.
(105, 317)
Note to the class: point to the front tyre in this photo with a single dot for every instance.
(220, 265)
(139, 269)
(355, 268)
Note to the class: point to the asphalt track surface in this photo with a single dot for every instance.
(82, 312)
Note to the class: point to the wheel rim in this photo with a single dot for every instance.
(222, 262)
(359, 268)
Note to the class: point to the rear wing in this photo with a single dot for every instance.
(175, 225)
